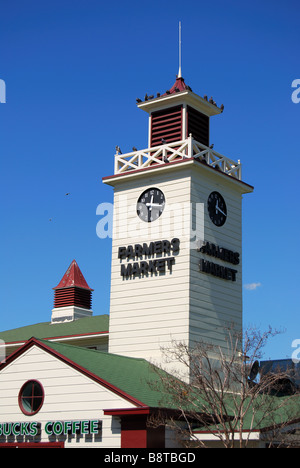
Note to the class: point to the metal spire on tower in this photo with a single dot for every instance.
(179, 71)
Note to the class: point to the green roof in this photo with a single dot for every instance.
(142, 381)
(95, 324)
(263, 411)
(139, 381)
(134, 376)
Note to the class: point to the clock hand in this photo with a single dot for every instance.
(153, 204)
(150, 204)
(221, 211)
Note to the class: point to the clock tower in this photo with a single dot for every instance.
(176, 272)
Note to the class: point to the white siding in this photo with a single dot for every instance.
(69, 395)
(187, 305)
(147, 312)
(215, 303)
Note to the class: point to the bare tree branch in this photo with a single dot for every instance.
(214, 394)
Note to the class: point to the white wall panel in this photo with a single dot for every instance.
(69, 395)
(187, 304)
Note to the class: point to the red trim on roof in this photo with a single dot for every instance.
(154, 166)
(50, 338)
(34, 342)
(127, 411)
(172, 163)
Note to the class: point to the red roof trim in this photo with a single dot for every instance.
(126, 411)
(172, 163)
(62, 336)
(134, 171)
(34, 342)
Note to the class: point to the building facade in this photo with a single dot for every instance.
(176, 275)
(177, 240)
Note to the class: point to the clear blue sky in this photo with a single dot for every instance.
(73, 70)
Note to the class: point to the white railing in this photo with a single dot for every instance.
(178, 150)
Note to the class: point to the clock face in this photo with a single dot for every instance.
(150, 205)
(217, 209)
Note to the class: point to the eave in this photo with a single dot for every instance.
(183, 97)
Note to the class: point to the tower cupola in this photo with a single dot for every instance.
(72, 296)
(178, 113)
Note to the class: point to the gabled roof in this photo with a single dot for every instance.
(133, 379)
(84, 326)
(140, 383)
(73, 278)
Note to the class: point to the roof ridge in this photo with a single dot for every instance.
(47, 330)
(82, 348)
(54, 323)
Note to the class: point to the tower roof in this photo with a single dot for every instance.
(178, 94)
(73, 278)
(178, 86)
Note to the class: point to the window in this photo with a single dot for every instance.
(31, 397)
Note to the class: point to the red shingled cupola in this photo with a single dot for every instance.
(72, 296)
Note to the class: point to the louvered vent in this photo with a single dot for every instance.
(198, 126)
(73, 296)
(166, 124)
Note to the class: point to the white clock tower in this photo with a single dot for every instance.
(177, 244)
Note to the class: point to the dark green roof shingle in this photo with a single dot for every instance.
(95, 324)
(134, 376)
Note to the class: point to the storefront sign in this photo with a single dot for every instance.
(143, 267)
(20, 429)
(56, 428)
(73, 427)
